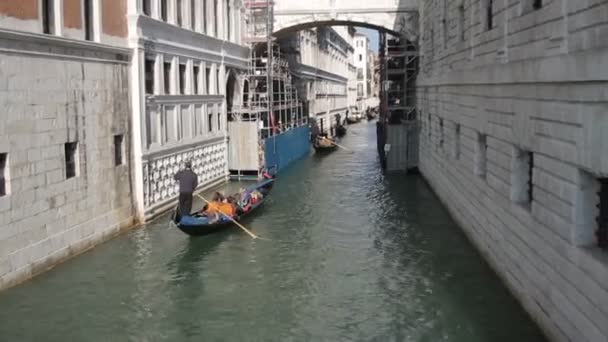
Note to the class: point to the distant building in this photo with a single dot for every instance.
(361, 61)
(321, 65)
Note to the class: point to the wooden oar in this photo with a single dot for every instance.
(231, 219)
(340, 146)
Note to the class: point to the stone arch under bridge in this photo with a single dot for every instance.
(397, 17)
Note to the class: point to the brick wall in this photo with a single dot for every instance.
(534, 82)
(74, 93)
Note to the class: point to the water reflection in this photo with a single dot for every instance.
(355, 256)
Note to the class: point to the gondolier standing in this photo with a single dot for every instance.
(188, 181)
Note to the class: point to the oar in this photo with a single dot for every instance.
(231, 219)
(340, 146)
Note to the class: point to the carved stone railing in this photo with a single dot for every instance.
(209, 161)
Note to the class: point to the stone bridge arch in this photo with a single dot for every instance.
(397, 17)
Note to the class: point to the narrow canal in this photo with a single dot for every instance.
(355, 256)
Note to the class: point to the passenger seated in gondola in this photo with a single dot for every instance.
(217, 197)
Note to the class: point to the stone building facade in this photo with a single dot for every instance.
(513, 107)
(361, 59)
(320, 59)
(187, 68)
(65, 164)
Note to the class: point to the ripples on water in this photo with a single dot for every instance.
(355, 256)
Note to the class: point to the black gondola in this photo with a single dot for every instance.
(340, 130)
(197, 225)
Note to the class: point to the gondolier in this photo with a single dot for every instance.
(188, 181)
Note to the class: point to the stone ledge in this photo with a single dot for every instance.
(60, 47)
(64, 254)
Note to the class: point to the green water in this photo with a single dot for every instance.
(355, 256)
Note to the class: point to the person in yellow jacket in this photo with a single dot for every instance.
(216, 209)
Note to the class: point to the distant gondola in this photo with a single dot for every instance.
(197, 225)
(340, 130)
(351, 120)
(370, 115)
(324, 145)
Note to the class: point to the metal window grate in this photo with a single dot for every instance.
(118, 148)
(530, 177)
(602, 219)
(537, 4)
(490, 14)
(70, 159)
(3, 162)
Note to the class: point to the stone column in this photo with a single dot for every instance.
(137, 115)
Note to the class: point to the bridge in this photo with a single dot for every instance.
(398, 17)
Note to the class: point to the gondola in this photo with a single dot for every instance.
(197, 225)
(324, 145)
(340, 130)
(351, 120)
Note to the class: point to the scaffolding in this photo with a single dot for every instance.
(270, 103)
(397, 127)
(400, 64)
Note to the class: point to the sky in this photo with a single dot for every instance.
(372, 35)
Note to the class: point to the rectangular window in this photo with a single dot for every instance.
(481, 155)
(147, 7)
(522, 177)
(537, 4)
(118, 149)
(204, 16)
(48, 17)
(489, 14)
(217, 82)
(149, 66)
(196, 75)
(430, 130)
(441, 137)
(182, 79)
(193, 15)
(602, 218)
(163, 10)
(360, 57)
(530, 177)
(71, 159)
(210, 119)
(461, 22)
(167, 75)
(215, 18)
(219, 118)
(228, 21)
(178, 12)
(457, 142)
(89, 33)
(3, 174)
(208, 80)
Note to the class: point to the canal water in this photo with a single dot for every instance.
(354, 255)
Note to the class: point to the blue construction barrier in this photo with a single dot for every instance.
(283, 149)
